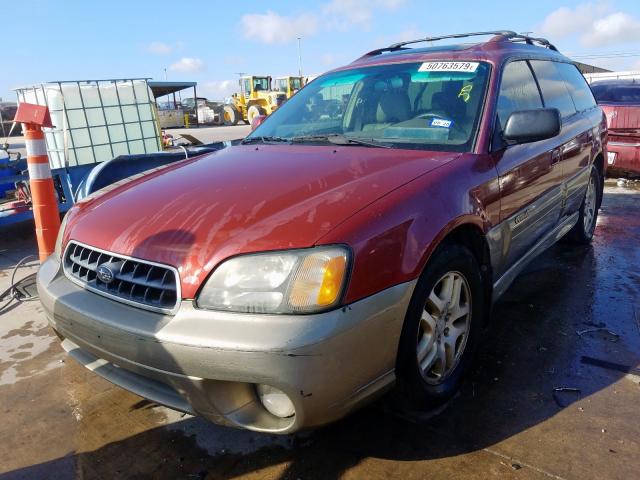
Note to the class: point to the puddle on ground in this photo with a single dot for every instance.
(27, 351)
(632, 185)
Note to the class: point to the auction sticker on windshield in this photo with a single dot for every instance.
(449, 67)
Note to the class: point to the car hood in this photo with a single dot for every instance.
(241, 199)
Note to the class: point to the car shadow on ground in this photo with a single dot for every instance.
(572, 303)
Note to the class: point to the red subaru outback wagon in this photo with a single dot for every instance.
(620, 100)
(353, 242)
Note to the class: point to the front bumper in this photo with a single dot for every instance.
(208, 363)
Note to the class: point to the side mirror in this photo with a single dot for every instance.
(257, 121)
(526, 126)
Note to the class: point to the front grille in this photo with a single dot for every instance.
(135, 282)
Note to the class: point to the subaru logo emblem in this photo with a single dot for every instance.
(104, 274)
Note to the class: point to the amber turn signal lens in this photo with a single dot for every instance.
(332, 281)
(319, 280)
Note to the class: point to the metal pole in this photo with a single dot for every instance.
(2, 123)
(299, 58)
(240, 74)
(195, 97)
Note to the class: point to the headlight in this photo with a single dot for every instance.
(293, 281)
(58, 247)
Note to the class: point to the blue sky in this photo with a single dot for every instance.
(210, 41)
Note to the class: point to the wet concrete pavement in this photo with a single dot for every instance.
(572, 309)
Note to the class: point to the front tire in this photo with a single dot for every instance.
(582, 232)
(441, 329)
(253, 112)
(231, 115)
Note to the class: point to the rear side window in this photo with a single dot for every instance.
(554, 89)
(620, 93)
(518, 91)
(578, 87)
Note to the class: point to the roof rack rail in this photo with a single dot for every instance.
(505, 35)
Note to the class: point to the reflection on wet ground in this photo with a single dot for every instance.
(554, 393)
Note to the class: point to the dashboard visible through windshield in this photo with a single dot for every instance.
(425, 105)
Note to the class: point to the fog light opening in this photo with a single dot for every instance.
(275, 401)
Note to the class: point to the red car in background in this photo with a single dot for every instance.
(620, 100)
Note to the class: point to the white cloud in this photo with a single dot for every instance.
(159, 48)
(566, 21)
(412, 32)
(595, 24)
(218, 89)
(391, 4)
(271, 27)
(345, 14)
(187, 64)
(616, 28)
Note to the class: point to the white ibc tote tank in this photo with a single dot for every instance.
(96, 120)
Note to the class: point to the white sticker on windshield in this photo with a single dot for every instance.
(439, 122)
(468, 67)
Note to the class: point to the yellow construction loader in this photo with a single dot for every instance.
(255, 98)
(288, 85)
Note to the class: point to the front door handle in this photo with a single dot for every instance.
(555, 156)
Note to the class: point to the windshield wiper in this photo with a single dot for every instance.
(338, 139)
(263, 139)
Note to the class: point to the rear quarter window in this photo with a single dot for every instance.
(578, 87)
(554, 89)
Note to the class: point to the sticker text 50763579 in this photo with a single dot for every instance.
(469, 67)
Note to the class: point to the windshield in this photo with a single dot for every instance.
(620, 93)
(261, 84)
(431, 106)
(296, 83)
(281, 84)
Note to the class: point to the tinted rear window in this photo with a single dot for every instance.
(554, 89)
(611, 93)
(578, 87)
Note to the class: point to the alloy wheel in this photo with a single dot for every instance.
(444, 327)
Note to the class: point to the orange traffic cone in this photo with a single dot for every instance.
(45, 205)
